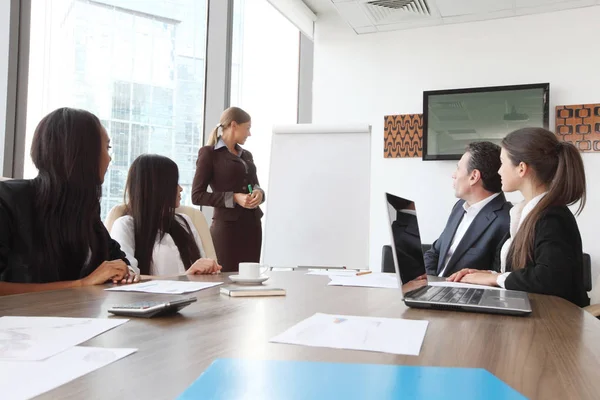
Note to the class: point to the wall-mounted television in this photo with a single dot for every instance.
(454, 118)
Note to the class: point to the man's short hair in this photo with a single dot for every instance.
(485, 157)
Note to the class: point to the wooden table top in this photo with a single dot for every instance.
(552, 354)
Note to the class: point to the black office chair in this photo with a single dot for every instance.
(593, 309)
(587, 272)
(387, 258)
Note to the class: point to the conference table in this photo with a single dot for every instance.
(552, 354)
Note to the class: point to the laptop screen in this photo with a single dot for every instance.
(406, 240)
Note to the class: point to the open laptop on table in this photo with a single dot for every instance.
(410, 271)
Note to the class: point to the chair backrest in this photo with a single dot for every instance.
(195, 215)
(201, 225)
(387, 260)
(587, 272)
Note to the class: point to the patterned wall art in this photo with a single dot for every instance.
(403, 136)
(580, 125)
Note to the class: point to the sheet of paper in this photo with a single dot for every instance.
(370, 280)
(386, 335)
(462, 285)
(332, 272)
(165, 287)
(26, 379)
(37, 338)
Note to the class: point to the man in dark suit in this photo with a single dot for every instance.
(479, 220)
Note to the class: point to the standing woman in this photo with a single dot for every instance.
(51, 235)
(236, 195)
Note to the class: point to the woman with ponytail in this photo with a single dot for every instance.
(543, 251)
(230, 172)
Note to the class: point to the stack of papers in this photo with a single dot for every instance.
(165, 287)
(388, 281)
(43, 376)
(44, 348)
(37, 338)
(387, 335)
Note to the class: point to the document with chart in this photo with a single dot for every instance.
(387, 335)
(54, 371)
(165, 287)
(37, 338)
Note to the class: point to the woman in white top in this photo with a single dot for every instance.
(543, 251)
(155, 238)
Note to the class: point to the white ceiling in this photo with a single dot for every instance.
(319, 6)
(371, 16)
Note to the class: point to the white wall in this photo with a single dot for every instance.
(362, 78)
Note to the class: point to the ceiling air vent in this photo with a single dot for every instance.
(380, 9)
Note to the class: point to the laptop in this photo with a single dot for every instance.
(409, 265)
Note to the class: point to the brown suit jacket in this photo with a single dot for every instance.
(226, 174)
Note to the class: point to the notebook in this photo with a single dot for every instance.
(236, 379)
(250, 291)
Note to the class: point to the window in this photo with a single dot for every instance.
(137, 65)
(264, 75)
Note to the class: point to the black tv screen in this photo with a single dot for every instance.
(454, 118)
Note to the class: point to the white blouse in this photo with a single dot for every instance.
(165, 256)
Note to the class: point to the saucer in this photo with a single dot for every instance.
(239, 279)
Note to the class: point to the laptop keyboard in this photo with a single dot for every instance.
(451, 295)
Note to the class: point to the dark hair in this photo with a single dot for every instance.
(66, 149)
(232, 114)
(556, 164)
(485, 157)
(151, 198)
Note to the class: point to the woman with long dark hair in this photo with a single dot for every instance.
(236, 195)
(155, 237)
(543, 251)
(51, 235)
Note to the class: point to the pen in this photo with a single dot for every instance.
(250, 189)
(363, 273)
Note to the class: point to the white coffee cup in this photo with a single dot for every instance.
(250, 270)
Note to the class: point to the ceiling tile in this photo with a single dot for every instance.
(450, 8)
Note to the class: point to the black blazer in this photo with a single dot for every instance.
(16, 235)
(226, 174)
(556, 264)
(478, 246)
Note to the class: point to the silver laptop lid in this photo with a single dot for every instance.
(409, 263)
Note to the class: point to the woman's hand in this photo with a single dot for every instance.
(133, 277)
(242, 199)
(481, 278)
(115, 270)
(256, 198)
(457, 276)
(204, 266)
